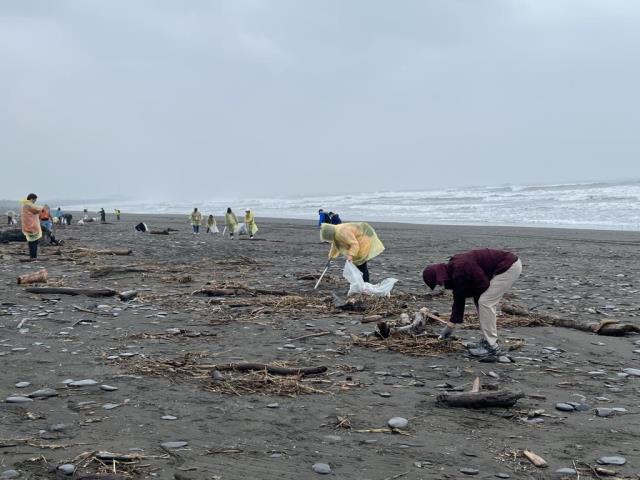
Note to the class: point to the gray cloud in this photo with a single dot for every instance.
(201, 99)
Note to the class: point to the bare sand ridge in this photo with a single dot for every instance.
(159, 350)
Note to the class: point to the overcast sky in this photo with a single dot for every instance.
(207, 99)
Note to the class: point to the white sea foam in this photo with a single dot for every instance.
(597, 205)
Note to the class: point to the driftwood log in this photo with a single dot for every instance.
(226, 292)
(159, 232)
(40, 276)
(104, 252)
(497, 398)
(104, 271)
(608, 327)
(89, 292)
(12, 235)
(273, 369)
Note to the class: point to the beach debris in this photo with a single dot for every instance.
(82, 383)
(178, 444)
(632, 371)
(321, 468)
(566, 471)
(469, 471)
(420, 346)
(91, 251)
(612, 460)
(67, 468)
(537, 460)
(475, 398)
(44, 393)
(18, 399)
(272, 369)
(108, 388)
(168, 417)
(22, 384)
(398, 422)
(9, 474)
(41, 276)
(89, 292)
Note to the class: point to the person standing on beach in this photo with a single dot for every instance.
(103, 215)
(484, 275)
(196, 220)
(250, 223)
(11, 217)
(357, 241)
(212, 227)
(31, 223)
(117, 211)
(231, 222)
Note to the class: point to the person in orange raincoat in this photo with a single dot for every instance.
(31, 223)
(357, 241)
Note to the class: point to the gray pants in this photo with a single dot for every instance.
(488, 301)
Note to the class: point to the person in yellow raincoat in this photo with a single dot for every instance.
(230, 222)
(250, 223)
(212, 226)
(31, 223)
(357, 241)
(196, 220)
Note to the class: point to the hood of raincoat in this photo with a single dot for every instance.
(327, 232)
(436, 274)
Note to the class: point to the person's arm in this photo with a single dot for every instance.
(457, 309)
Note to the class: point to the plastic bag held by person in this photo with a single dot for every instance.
(358, 285)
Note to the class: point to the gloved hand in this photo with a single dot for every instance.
(446, 332)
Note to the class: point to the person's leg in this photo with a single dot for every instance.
(489, 300)
(365, 271)
(33, 249)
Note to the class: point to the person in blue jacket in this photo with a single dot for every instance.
(335, 218)
(322, 218)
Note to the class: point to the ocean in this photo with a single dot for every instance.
(610, 206)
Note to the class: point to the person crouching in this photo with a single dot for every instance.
(484, 275)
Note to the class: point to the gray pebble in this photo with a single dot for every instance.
(632, 371)
(108, 388)
(565, 407)
(110, 406)
(67, 468)
(275, 455)
(174, 444)
(384, 394)
(44, 393)
(82, 383)
(273, 405)
(605, 412)
(504, 359)
(469, 471)
(503, 475)
(289, 346)
(169, 417)
(612, 460)
(22, 384)
(58, 427)
(333, 438)
(582, 407)
(7, 474)
(566, 471)
(18, 399)
(321, 468)
(398, 422)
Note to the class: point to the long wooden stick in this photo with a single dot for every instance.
(245, 367)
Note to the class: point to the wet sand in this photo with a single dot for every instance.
(588, 275)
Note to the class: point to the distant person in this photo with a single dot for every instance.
(46, 224)
(196, 220)
(57, 215)
(250, 223)
(103, 215)
(356, 241)
(484, 275)
(31, 223)
(212, 227)
(335, 219)
(231, 222)
(66, 218)
(85, 214)
(11, 217)
(323, 217)
(117, 212)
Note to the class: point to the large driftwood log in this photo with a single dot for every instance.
(89, 292)
(104, 252)
(225, 292)
(273, 369)
(497, 398)
(608, 327)
(12, 235)
(104, 271)
(40, 276)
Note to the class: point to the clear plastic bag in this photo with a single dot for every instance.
(358, 285)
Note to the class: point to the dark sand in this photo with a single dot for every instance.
(578, 274)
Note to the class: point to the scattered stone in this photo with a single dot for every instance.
(384, 394)
(275, 455)
(289, 346)
(18, 399)
(398, 422)
(67, 468)
(44, 393)
(82, 383)
(566, 471)
(217, 376)
(273, 405)
(58, 427)
(321, 468)
(333, 438)
(108, 388)
(581, 407)
(174, 444)
(565, 407)
(22, 384)
(632, 371)
(7, 474)
(504, 359)
(503, 475)
(605, 412)
(469, 471)
(612, 460)
(110, 406)
(169, 417)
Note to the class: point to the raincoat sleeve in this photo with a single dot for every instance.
(457, 310)
(333, 252)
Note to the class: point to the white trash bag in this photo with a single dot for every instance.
(358, 285)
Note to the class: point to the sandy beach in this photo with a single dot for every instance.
(160, 350)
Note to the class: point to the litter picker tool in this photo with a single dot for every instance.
(323, 272)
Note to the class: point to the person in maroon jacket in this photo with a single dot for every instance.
(484, 275)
